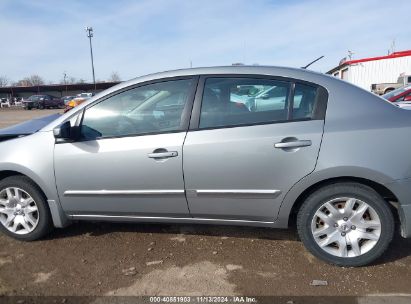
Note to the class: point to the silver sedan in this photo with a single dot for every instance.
(183, 147)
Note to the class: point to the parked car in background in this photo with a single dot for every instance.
(400, 94)
(77, 100)
(67, 99)
(384, 88)
(42, 102)
(406, 105)
(17, 102)
(173, 147)
(5, 103)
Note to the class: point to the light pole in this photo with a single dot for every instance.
(89, 31)
(65, 82)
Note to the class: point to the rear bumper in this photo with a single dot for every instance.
(404, 212)
(402, 190)
(378, 91)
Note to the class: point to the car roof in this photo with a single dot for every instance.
(327, 81)
(243, 69)
(287, 72)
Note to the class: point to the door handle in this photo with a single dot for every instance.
(166, 154)
(293, 144)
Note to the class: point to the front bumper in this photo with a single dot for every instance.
(28, 105)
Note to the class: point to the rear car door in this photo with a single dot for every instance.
(245, 148)
(128, 161)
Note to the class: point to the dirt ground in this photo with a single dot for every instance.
(141, 259)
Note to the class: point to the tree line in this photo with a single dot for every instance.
(36, 80)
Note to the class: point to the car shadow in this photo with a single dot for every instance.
(399, 248)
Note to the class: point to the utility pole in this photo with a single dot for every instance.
(89, 31)
(65, 81)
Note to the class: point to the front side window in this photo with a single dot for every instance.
(147, 109)
(242, 101)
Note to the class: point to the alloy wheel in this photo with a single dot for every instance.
(18, 211)
(346, 227)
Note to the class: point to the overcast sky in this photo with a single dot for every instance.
(133, 38)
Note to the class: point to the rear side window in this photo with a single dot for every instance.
(243, 101)
(248, 101)
(304, 101)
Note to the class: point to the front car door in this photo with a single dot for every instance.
(128, 161)
(245, 150)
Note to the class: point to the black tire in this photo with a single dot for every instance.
(41, 106)
(347, 189)
(44, 225)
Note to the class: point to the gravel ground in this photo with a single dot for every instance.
(140, 259)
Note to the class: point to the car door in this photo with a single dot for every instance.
(128, 160)
(48, 102)
(240, 161)
(35, 100)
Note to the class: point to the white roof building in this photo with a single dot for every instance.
(367, 71)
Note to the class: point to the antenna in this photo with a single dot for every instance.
(305, 67)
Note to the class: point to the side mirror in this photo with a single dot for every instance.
(264, 96)
(65, 132)
(407, 98)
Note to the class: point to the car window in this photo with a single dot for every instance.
(304, 101)
(242, 101)
(151, 108)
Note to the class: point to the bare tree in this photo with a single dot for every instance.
(4, 81)
(33, 80)
(23, 83)
(114, 77)
(36, 80)
(72, 80)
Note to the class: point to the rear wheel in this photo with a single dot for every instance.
(346, 224)
(24, 213)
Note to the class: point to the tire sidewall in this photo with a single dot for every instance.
(44, 224)
(363, 193)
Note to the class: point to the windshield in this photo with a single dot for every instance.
(396, 92)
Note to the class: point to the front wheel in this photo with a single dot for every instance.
(24, 213)
(346, 224)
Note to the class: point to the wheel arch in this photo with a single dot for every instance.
(58, 216)
(382, 190)
(388, 90)
(11, 170)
